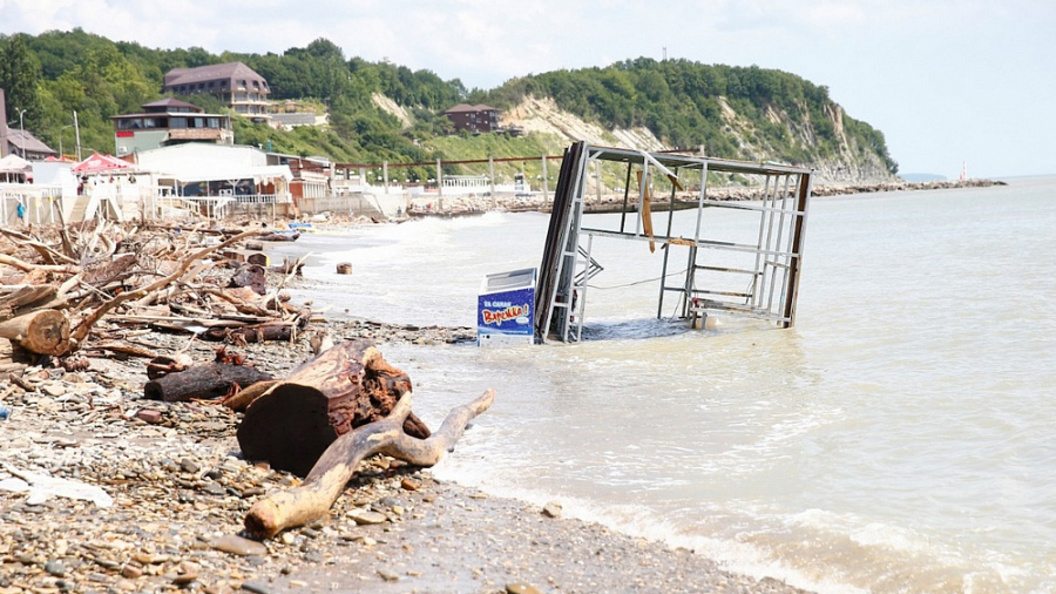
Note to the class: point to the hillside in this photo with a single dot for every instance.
(384, 112)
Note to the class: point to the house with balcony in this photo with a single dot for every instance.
(168, 122)
(474, 119)
(233, 83)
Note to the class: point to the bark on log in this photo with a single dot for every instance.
(327, 479)
(45, 331)
(269, 331)
(212, 380)
(345, 387)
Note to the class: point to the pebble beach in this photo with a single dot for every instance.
(103, 491)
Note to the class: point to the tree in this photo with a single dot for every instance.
(20, 79)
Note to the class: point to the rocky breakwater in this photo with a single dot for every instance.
(611, 202)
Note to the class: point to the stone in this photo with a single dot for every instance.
(367, 518)
(148, 415)
(388, 576)
(236, 545)
(185, 574)
(411, 484)
(55, 568)
(552, 510)
(522, 588)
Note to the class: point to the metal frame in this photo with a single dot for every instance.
(771, 284)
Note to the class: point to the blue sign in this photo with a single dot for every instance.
(506, 312)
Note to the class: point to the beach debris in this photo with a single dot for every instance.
(342, 388)
(327, 479)
(63, 289)
(344, 268)
(42, 487)
(44, 331)
(206, 381)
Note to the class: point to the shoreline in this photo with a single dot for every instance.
(180, 490)
(439, 207)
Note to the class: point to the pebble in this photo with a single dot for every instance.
(366, 517)
(522, 588)
(236, 545)
(55, 568)
(185, 574)
(552, 509)
(150, 416)
(255, 588)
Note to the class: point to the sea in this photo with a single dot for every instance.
(900, 437)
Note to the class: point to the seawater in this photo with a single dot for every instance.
(900, 438)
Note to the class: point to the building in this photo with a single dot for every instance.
(233, 82)
(18, 141)
(168, 122)
(474, 118)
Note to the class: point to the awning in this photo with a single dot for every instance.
(99, 163)
(259, 173)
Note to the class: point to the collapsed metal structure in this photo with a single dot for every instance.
(754, 276)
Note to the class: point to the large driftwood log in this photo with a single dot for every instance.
(44, 331)
(211, 380)
(327, 479)
(343, 388)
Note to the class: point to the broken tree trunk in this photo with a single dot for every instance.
(343, 388)
(211, 380)
(44, 331)
(327, 479)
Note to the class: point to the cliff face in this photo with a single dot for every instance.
(850, 163)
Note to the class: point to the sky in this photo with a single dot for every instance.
(951, 84)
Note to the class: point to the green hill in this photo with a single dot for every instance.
(383, 112)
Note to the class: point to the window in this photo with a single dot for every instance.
(177, 122)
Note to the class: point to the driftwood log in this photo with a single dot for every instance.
(211, 380)
(45, 331)
(344, 387)
(327, 479)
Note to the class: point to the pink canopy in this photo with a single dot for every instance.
(99, 163)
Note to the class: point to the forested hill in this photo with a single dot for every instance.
(380, 111)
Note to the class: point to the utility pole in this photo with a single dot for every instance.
(22, 132)
(77, 130)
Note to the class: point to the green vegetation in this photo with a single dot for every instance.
(683, 103)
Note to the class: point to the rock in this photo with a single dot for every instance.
(55, 568)
(367, 518)
(185, 574)
(236, 545)
(388, 576)
(149, 415)
(552, 510)
(411, 484)
(255, 588)
(522, 588)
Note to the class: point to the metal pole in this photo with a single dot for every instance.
(491, 179)
(22, 132)
(546, 183)
(439, 179)
(77, 130)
